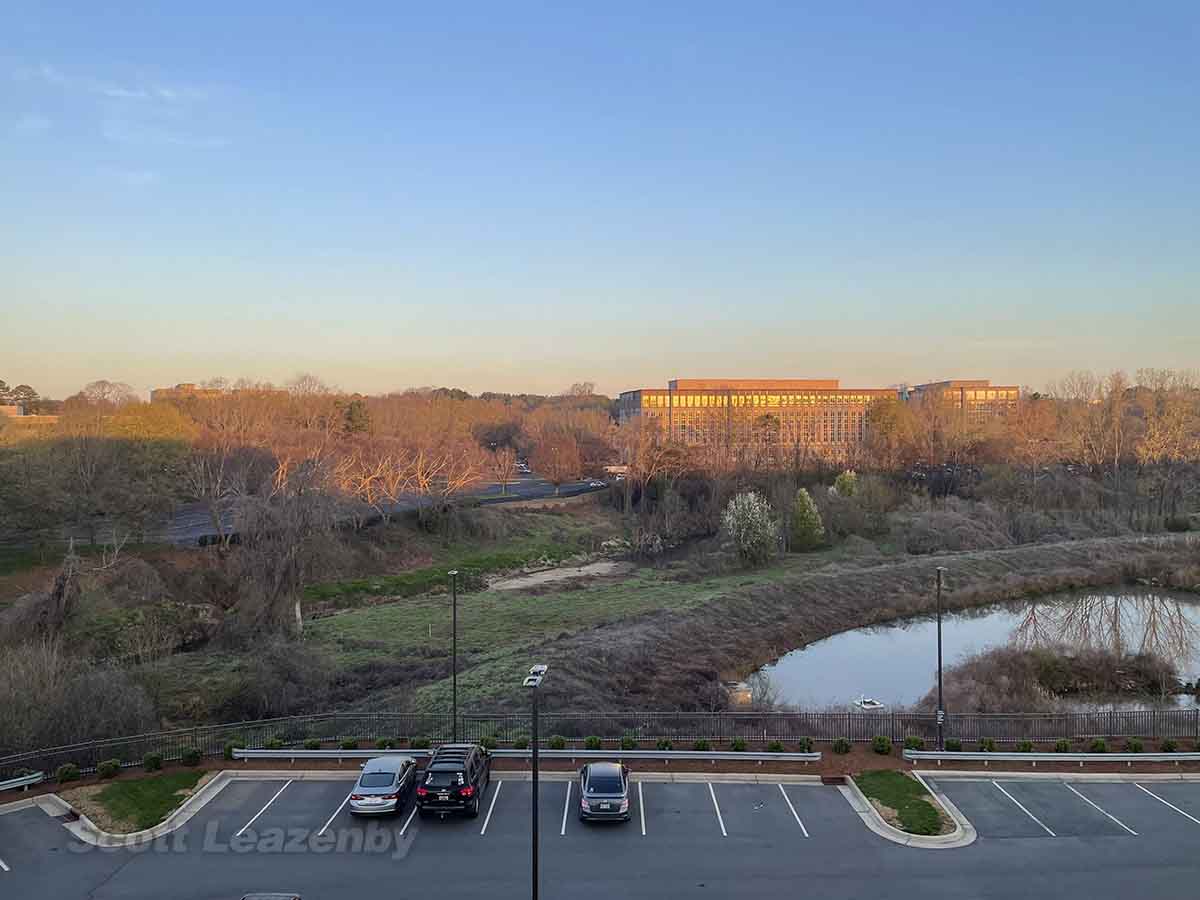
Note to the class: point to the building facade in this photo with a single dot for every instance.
(742, 414)
(978, 400)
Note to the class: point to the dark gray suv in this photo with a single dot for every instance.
(604, 792)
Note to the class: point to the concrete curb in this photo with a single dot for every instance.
(962, 835)
(1098, 777)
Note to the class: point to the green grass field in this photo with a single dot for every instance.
(147, 801)
(905, 795)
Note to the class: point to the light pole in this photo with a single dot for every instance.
(533, 681)
(941, 712)
(453, 573)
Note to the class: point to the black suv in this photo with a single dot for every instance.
(454, 780)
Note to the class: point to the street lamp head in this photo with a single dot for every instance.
(533, 681)
(453, 573)
(941, 568)
(539, 669)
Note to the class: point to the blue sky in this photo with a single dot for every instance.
(519, 196)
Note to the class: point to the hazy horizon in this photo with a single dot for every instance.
(518, 201)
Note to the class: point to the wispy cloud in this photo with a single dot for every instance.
(140, 134)
(133, 178)
(31, 124)
(143, 91)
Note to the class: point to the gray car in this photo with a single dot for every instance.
(604, 792)
(383, 785)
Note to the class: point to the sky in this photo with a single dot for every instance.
(516, 196)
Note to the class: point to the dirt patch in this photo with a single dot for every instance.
(605, 568)
(888, 814)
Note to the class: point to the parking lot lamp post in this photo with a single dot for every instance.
(533, 681)
(941, 712)
(453, 573)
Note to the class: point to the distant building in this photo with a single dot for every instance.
(15, 415)
(11, 410)
(977, 399)
(189, 391)
(185, 391)
(744, 413)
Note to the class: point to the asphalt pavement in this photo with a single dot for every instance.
(1051, 838)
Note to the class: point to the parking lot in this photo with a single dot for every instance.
(698, 839)
(1057, 808)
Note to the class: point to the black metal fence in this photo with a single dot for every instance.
(681, 728)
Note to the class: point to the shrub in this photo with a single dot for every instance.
(1062, 746)
(808, 531)
(1024, 746)
(1099, 745)
(385, 744)
(751, 526)
(841, 746)
(803, 745)
(702, 746)
(912, 742)
(592, 742)
(488, 743)
(190, 756)
(67, 772)
(664, 744)
(1134, 745)
(881, 744)
(230, 746)
(419, 743)
(520, 742)
(777, 746)
(108, 768)
(273, 744)
(152, 762)
(628, 742)
(846, 484)
(738, 745)
(557, 742)
(312, 744)
(987, 745)
(1168, 746)
(349, 744)
(953, 745)
(1179, 523)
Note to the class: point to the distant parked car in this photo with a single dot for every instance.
(272, 897)
(384, 785)
(455, 780)
(604, 792)
(596, 484)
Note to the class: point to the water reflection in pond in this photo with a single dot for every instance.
(897, 663)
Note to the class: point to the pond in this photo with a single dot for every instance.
(896, 663)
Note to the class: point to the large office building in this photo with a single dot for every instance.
(737, 414)
(978, 400)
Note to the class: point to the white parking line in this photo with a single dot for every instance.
(788, 801)
(491, 806)
(566, 807)
(1023, 809)
(4, 866)
(1165, 803)
(720, 821)
(335, 815)
(408, 821)
(642, 809)
(264, 809)
(1096, 806)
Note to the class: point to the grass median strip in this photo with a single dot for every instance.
(145, 802)
(905, 803)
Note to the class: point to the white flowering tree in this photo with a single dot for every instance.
(750, 523)
(846, 484)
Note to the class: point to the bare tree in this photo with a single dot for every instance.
(502, 465)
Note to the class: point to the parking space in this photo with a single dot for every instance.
(1075, 808)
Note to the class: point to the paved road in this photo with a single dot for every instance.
(193, 521)
(1048, 839)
